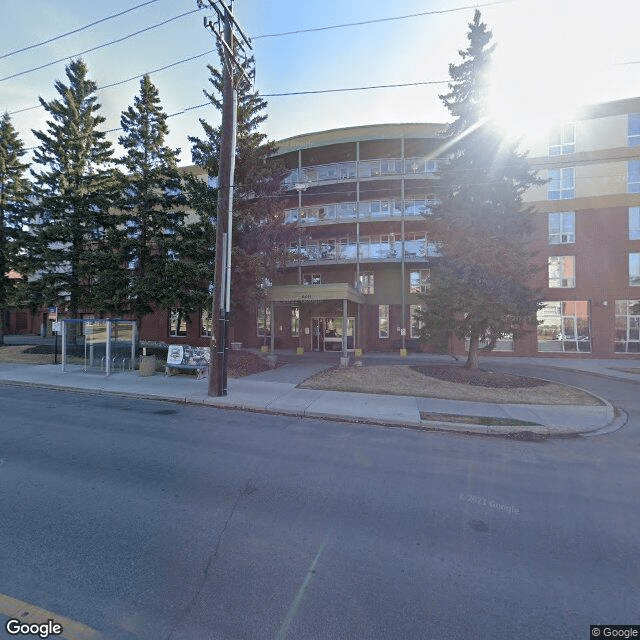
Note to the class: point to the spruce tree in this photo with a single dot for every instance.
(260, 237)
(159, 246)
(14, 194)
(480, 286)
(74, 188)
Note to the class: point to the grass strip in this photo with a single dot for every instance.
(483, 420)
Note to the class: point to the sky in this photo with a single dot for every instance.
(551, 56)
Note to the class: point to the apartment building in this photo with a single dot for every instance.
(360, 199)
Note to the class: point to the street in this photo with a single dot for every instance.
(152, 520)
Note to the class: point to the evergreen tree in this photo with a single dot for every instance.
(14, 193)
(74, 188)
(260, 237)
(159, 246)
(480, 285)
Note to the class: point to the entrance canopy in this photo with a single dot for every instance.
(314, 293)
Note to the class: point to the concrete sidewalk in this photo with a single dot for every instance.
(276, 392)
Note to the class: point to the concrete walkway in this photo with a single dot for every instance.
(275, 391)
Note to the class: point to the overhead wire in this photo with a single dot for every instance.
(78, 30)
(100, 46)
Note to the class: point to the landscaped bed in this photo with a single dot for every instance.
(451, 382)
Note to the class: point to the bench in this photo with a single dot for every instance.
(186, 358)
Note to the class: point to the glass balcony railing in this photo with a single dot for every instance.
(367, 210)
(310, 176)
(374, 248)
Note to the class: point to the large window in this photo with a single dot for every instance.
(562, 140)
(177, 322)
(564, 327)
(633, 176)
(383, 321)
(419, 281)
(264, 321)
(634, 223)
(295, 321)
(627, 331)
(367, 282)
(311, 278)
(415, 323)
(206, 326)
(562, 272)
(562, 184)
(562, 227)
(634, 129)
(634, 269)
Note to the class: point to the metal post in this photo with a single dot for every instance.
(108, 353)
(273, 326)
(402, 267)
(345, 325)
(133, 345)
(63, 359)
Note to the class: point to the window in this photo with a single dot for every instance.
(177, 322)
(206, 326)
(415, 323)
(562, 184)
(562, 227)
(562, 272)
(562, 140)
(634, 129)
(564, 326)
(634, 223)
(264, 321)
(311, 278)
(419, 281)
(366, 281)
(383, 321)
(634, 269)
(295, 322)
(633, 179)
(627, 327)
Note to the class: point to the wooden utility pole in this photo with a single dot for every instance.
(224, 29)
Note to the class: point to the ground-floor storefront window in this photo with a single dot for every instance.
(627, 330)
(564, 327)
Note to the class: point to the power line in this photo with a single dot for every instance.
(363, 22)
(69, 33)
(100, 46)
(377, 86)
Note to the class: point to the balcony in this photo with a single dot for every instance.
(341, 171)
(365, 211)
(386, 248)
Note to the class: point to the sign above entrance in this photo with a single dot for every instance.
(314, 293)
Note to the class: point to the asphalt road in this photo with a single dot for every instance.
(159, 521)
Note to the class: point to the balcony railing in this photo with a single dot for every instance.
(370, 248)
(367, 210)
(310, 176)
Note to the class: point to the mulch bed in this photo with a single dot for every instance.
(478, 377)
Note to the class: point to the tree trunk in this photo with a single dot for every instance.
(472, 356)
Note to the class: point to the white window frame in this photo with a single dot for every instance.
(558, 278)
(566, 136)
(633, 130)
(383, 317)
(573, 330)
(633, 176)
(367, 280)
(423, 280)
(414, 325)
(564, 232)
(178, 318)
(313, 279)
(295, 322)
(634, 269)
(562, 183)
(205, 318)
(634, 223)
(627, 327)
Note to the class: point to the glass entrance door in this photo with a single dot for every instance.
(326, 334)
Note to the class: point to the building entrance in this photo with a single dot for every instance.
(326, 334)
